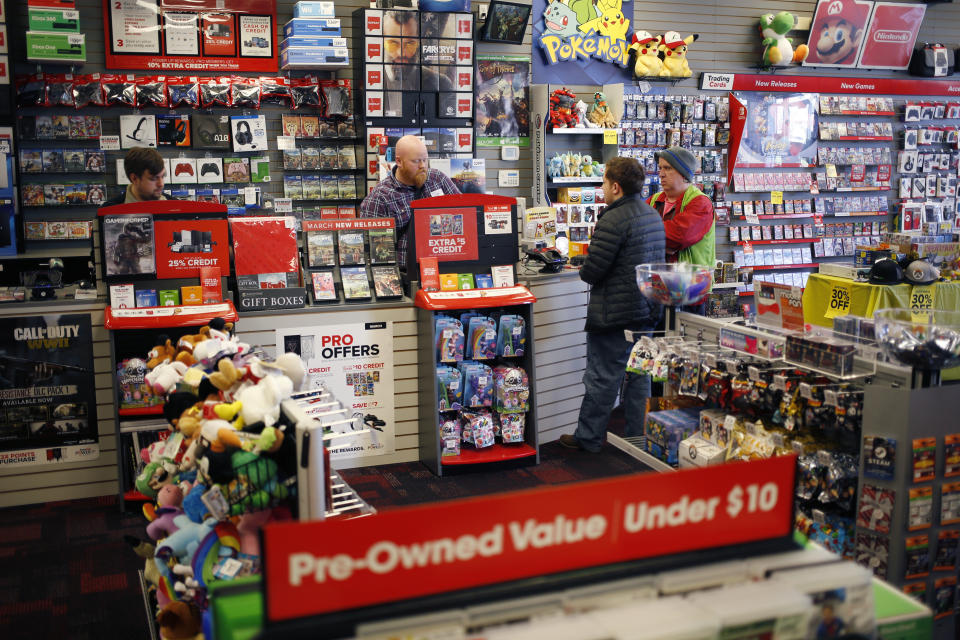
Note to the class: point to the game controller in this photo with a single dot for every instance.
(209, 167)
(184, 167)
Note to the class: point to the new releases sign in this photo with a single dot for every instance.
(355, 363)
(321, 567)
(46, 388)
(191, 35)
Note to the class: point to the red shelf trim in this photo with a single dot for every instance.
(183, 316)
(496, 453)
(770, 267)
(474, 298)
(164, 207)
(141, 411)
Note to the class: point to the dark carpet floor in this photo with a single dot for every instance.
(68, 574)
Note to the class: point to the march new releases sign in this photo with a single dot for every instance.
(321, 567)
(447, 234)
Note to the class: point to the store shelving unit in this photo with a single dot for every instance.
(512, 300)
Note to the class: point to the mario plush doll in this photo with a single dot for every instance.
(837, 32)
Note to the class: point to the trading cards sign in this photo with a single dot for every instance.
(47, 402)
(355, 363)
(191, 35)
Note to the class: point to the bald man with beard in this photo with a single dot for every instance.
(410, 179)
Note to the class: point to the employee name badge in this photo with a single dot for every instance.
(436, 192)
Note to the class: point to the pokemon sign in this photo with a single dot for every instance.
(589, 35)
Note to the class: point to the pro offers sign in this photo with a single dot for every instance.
(333, 566)
(355, 363)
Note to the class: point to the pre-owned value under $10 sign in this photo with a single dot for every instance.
(326, 566)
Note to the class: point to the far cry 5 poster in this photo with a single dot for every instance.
(47, 402)
(503, 101)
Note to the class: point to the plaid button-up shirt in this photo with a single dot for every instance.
(391, 199)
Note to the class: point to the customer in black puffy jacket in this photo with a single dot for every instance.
(628, 232)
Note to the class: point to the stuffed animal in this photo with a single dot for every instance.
(555, 167)
(261, 402)
(600, 113)
(161, 354)
(674, 52)
(582, 120)
(186, 345)
(778, 48)
(169, 499)
(180, 620)
(561, 108)
(646, 55)
(166, 375)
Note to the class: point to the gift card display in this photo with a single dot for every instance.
(924, 459)
(879, 457)
(921, 508)
(876, 508)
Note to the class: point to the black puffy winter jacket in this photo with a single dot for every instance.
(629, 232)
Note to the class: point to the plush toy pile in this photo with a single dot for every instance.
(574, 165)
(226, 468)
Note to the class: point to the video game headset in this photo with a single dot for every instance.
(243, 136)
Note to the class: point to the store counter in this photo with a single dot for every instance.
(559, 315)
(827, 297)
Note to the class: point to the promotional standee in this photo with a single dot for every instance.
(355, 362)
(47, 404)
(238, 35)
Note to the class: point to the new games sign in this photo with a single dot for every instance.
(581, 41)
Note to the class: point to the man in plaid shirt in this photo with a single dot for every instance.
(409, 180)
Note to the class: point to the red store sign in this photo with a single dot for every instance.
(326, 566)
(823, 84)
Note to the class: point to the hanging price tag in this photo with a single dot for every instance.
(752, 218)
(817, 218)
(747, 248)
(839, 303)
(921, 302)
(110, 143)
(831, 170)
(286, 143)
(609, 136)
(857, 173)
(283, 205)
(883, 173)
(776, 197)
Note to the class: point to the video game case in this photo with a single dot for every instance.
(383, 247)
(356, 285)
(321, 250)
(386, 281)
(129, 245)
(324, 286)
(291, 159)
(310, 158)
(312, 187)
(351, 248)
(329, 187)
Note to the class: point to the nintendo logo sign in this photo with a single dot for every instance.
(892, 36)
(717, 81)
